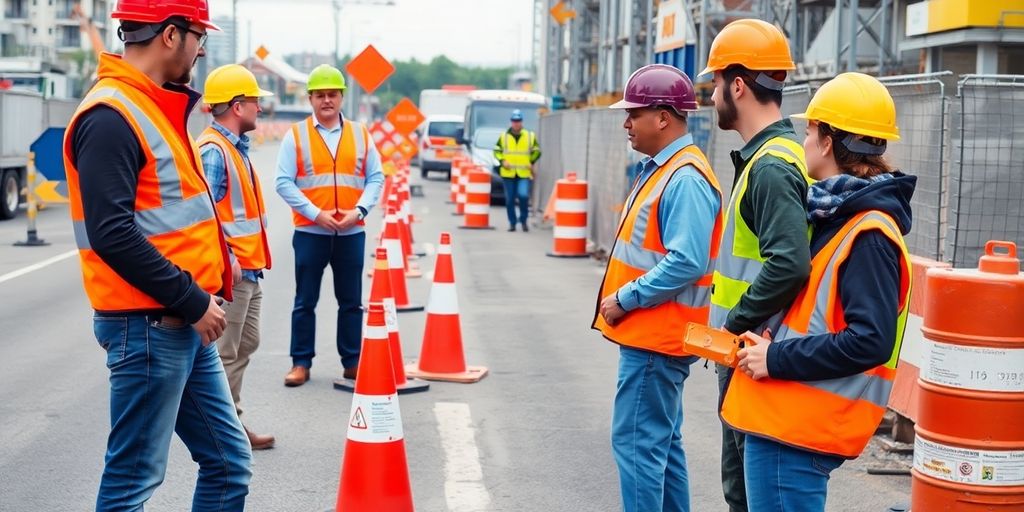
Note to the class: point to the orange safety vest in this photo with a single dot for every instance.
(241, 210)
(173, 207)
(844, 412)
(330, 182)
(638, 249)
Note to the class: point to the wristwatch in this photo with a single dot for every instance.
(362, 213)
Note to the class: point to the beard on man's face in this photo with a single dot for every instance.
(727, 113)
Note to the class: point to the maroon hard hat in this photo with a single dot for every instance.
(659, 84)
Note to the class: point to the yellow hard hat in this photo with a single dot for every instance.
(754, 44)
(856, 103)
(230, 81)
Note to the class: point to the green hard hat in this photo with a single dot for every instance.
(325, 77)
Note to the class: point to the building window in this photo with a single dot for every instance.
(70, 37)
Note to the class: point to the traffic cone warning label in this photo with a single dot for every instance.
(377, 419)
(358, 421)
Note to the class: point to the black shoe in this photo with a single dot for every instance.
(511, 228)
(526, 229)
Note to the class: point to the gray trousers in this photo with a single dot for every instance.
(242, 336)
(732, 453)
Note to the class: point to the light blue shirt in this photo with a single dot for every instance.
(686, 216)
(216, 175)
(285, 185)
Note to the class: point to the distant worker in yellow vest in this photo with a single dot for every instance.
(764, 258)
(814, 396)
(658, 279)
(329, 172)
(517, 152)
(234, 99)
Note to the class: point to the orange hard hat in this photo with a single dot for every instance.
(754, 44)
(158, 11)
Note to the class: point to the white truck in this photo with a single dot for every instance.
(23, 117)
(448, 101)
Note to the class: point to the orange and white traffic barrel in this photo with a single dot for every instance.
(478, 200)
(969, 449)
(570, 233)
(457, 164)
(460, 195)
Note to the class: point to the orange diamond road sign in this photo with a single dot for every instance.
(370, 69)
(405, 117)
(562, 13)
(262, 52)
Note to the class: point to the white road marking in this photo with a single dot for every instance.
(464, 489)
(42, 264)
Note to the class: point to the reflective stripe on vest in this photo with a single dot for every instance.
(638, 249)
(173, 207)
(740, 259)
(330, 181)
(241, 211)
(517, 154)
(847, 410)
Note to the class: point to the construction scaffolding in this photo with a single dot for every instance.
(588, 59)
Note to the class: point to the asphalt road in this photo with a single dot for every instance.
(532, 436)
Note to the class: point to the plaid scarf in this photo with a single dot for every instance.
(826, 196)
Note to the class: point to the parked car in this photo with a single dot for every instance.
(438, 143)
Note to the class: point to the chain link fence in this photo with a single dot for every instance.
(987, 189)
(970, 171)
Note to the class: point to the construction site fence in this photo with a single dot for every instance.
(959, 144)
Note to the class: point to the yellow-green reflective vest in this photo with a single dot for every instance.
(517, 154)
(740, 259)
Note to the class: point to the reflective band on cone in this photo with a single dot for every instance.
(462, 196)
(441, 356)
(570, 233)
(478, 201)
(374, 470)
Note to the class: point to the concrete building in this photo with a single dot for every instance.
(48, 29)
(219, 50)
(980, 36)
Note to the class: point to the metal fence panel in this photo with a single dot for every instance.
(987, 188)
(608, 163)
(921, 114)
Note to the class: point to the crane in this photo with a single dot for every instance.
(88, 29)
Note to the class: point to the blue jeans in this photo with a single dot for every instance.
(312, 255)
(162, 380)
(517, 188)
(646, 438)
(782, 478)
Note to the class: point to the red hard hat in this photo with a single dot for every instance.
(659, 84)
(158, 11)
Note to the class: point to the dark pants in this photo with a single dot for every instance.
(732, 453)
(345, 255)
(517, 188)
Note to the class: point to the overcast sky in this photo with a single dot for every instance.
(476, 32)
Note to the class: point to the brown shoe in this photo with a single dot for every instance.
(297, 377)
(349, 373)
(259, 441)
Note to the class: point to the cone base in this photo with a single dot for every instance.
(408, 308)
(471, 375)
(410, 386)
(567, 255)
(414, 273)
(476, 227)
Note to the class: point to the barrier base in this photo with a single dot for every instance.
(471, 375)
(410, 386)
(566, 255)
(413, 273)
(408, 308)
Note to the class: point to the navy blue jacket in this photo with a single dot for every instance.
(869, 288)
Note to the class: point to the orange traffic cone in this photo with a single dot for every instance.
(396, 268)
(441, 356)
(380, 292)
(374, 471)
(412, 270)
